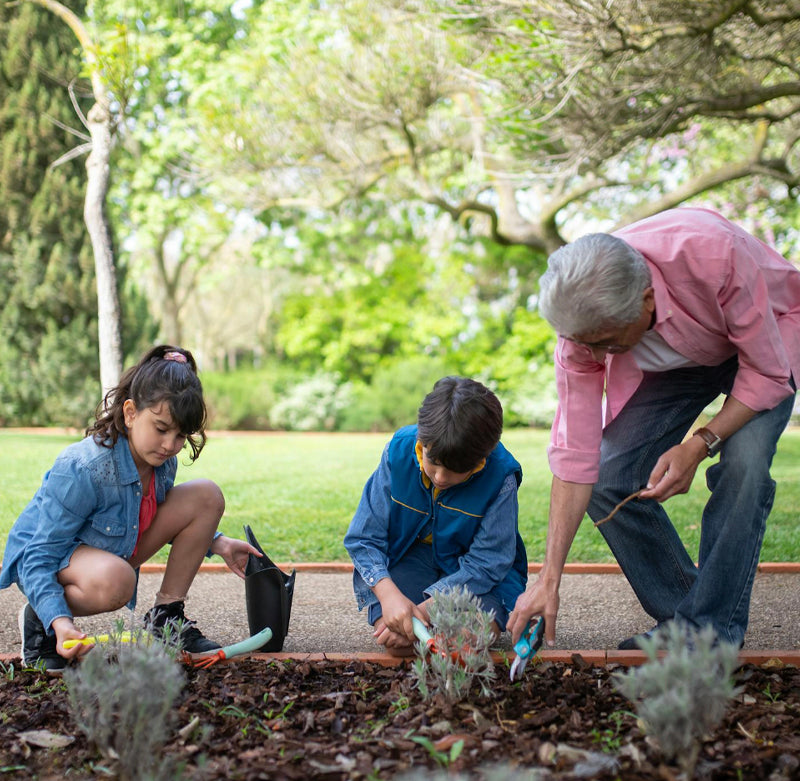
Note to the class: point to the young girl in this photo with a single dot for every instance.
(109, 503)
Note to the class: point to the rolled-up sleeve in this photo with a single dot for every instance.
(577, 430)
(762, 381)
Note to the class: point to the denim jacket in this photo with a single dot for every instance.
(91, 496)
(480, 551)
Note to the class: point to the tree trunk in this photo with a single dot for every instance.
(94, 214)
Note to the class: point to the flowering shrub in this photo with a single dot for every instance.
(313, 405)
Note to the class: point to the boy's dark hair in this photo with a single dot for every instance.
(165, 374)
(459, 423)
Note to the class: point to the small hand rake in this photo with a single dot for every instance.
(433, 647)
(241, 648)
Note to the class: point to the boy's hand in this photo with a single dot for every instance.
(391, 640)
(66, 630)
(398, 609)
(234, 553)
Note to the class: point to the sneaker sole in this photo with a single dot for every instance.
(55, 671)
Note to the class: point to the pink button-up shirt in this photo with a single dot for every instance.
(719, 292)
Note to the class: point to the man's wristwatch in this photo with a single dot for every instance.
(712, 440)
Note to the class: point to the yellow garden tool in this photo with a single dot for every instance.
(122, 637)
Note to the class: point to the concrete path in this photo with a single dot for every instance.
(597, 611)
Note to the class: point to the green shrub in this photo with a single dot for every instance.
(239, 399)
(393, 397)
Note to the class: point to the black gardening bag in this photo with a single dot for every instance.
(268, 594)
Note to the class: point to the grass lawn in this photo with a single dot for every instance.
(299, 491)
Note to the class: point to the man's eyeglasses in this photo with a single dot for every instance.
(609, 347)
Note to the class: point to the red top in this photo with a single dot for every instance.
(147, 510)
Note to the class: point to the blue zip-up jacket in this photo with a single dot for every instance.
(90, 496)
(475, 536)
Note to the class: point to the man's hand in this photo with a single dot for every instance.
(539, 599)
(234, 553)
(675, 470)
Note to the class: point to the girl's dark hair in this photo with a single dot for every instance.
(459, 423)
(165, 374)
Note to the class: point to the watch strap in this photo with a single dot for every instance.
(713, 441)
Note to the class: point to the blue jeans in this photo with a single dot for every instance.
(416, 571)
(641, 535)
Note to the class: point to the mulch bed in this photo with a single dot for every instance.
(251, 719)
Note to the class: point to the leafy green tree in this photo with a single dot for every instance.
(375, 291)
(49, 364)
(49, 367)
(177, 233)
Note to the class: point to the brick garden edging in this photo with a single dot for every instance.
(593, 658)
(777, 567)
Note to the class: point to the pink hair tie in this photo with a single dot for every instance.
(174, 355)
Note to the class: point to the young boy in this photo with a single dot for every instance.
(440, 511)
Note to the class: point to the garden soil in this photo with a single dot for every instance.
(253, 719)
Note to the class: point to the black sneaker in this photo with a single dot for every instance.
(632, 643)
(191, 638)
(38, 648)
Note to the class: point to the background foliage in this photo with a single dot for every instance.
(334, 203)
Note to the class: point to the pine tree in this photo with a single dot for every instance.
(48, 363)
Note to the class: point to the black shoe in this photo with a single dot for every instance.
(38, 648)
(632, 643)
(191, 638)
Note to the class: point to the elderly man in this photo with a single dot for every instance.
(655, 322)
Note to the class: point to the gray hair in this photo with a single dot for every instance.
(594, 283)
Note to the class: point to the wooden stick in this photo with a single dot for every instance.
(620, 505)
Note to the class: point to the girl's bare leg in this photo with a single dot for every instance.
(96, 581)
(189, 518)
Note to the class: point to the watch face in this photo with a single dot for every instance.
(712, 440)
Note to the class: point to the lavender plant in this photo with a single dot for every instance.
(463, 630)
(121, 697)
(682, 694)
